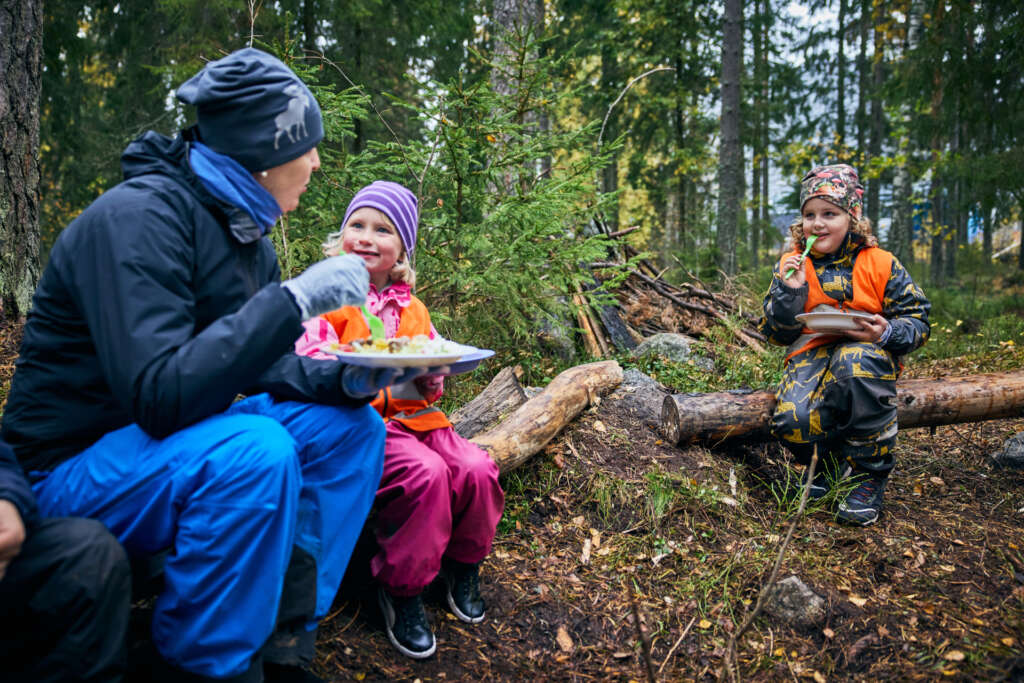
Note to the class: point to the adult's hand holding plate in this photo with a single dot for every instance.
(362, 381)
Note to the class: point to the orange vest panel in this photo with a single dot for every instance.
(417, 415)
(871, 272)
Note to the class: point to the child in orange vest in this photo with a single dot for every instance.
(439, 499)
(838, 390)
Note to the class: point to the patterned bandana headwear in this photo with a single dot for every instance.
(394, 201)
(837, 184)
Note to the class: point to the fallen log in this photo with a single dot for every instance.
(499, 398)
(523, 433)
(712, 418)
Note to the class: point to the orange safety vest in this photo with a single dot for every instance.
(412, 411)
(871, 271)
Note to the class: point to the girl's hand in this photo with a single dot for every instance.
(798, 278)
(870, 330)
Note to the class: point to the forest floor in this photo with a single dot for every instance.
(609, 516)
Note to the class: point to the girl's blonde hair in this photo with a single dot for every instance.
(402, 271)
(860, 227)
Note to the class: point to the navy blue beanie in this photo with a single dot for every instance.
(254, 109)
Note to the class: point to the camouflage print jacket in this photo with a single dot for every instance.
(904, 305)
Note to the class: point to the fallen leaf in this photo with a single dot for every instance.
(578, 521)
(859, 601)
(564, 640)
(918, 490)
(732, 480)
(604, 551)
(779, 652)
(558, 461)
(955, 656)
(828, 633)
(585, 555)
(818, 678)
(704, 623)
(599, 426)
(937, 481)
(1008, 642)
(622, 655)
(947, 567)
(595, 538)
(730, 501)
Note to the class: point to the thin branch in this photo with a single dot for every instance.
(673, 649)
(731, 659)
(645, 644)
(623, 94)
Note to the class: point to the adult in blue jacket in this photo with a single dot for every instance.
(159, 305)
(65, 590)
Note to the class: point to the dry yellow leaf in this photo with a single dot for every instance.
(857, 600)
(1008, 642)
(780, 652)
(564, 639)
(595, 538)
(828, 633)
(955, 656)
(599, 426)
(704, 623)
(937, 481)
(818, 678)
(585, 554)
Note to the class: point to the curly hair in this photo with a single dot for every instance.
(402, 271)
(860, 228)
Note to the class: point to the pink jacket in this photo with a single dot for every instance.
(387, 306)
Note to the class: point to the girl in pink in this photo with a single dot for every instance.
(439, 500)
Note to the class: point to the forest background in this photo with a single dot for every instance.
(531, 130)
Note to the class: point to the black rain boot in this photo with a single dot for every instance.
(406, 623)
(464, 599)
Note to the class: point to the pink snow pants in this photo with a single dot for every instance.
(439, 497)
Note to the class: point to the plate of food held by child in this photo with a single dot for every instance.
(404, 352)
(833, 321)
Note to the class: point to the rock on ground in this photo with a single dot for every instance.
(673, 347)
(794, 602)
(1012, 453)
(639, 395)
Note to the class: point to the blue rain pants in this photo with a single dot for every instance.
(229, 496)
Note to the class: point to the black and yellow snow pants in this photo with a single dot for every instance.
(841, 397)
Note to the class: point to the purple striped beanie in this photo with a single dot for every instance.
(394, 201)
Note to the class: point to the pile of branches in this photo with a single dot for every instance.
(648, 304)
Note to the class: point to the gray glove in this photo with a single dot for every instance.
(329, 284)
(362, 382)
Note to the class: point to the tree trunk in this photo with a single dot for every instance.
(873, 208)
(536, 422)
(712, 418)
(901, 233)
(21, 38)
(730, 159)
(841, 76)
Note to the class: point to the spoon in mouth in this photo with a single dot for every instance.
(810, 242)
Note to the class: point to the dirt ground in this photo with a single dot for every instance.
(610, 517)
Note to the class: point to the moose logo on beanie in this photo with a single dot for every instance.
(254, 109)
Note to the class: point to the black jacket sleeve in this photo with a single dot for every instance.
(14, 486)
(907, 309)
(779, 310)
(133, 280)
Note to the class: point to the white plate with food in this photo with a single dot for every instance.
(401, 352)
(833, 321)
